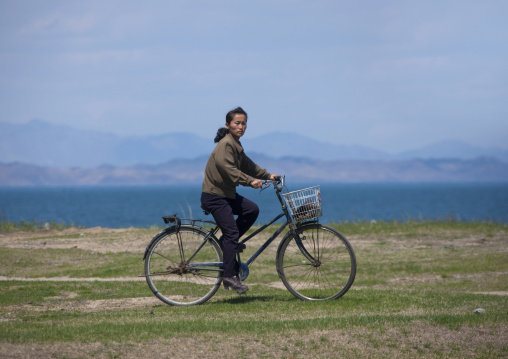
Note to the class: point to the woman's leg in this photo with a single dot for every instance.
(222, 212)
(247, 212)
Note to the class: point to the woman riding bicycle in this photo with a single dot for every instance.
(228, 167)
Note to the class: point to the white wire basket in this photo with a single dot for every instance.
(304, 204)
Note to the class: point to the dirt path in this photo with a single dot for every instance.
(95, 239)
(132, 240)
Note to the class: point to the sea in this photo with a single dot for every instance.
(143, 206)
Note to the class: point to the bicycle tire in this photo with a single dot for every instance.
(172, 278)
(333, 274)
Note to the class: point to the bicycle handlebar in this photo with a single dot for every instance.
(278, 183)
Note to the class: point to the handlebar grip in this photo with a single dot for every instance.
(280, 183)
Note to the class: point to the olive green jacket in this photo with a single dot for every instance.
(228, 167)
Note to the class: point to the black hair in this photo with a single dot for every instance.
(223, 131)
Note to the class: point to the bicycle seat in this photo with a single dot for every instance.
(205, 211)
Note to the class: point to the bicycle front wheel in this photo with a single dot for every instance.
(334, 268)
(182, 267)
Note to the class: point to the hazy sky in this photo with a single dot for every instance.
(391, 75)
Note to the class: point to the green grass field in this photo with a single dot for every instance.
(75, 293)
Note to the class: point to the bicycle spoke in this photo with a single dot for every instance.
(168, 259)
(180, 246)
(330, 276)
(157, 274)
(176, 281)
(297, 265)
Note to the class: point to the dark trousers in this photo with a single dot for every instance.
(223, 211)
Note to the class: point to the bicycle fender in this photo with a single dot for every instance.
(175, 228)
(165, 231)
(288, 234)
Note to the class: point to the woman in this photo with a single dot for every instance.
(228, 167)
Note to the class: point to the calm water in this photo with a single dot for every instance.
(117, 207)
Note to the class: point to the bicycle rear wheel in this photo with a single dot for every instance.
(332, 274)
(182, 268)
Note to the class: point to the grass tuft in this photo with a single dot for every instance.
(6, 226)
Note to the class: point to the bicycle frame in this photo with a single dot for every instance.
(261, 249)
(292, 228)
(268, 241)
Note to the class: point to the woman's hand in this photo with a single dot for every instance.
(257, 183)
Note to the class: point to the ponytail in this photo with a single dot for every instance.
(221, 133)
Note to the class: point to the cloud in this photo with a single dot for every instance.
(372, 71)
(59, 24)
(94, 58)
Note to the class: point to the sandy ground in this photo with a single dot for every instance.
(96, 239)
(134, 240)
(126, 239)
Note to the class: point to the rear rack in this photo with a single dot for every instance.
(175, 219)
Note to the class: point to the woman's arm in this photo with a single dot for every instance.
(248, 166)
(226, 163)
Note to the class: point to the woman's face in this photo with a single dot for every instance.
(237, 126)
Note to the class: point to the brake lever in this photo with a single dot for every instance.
(266, 184)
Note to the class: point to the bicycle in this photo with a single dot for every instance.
(183, 263)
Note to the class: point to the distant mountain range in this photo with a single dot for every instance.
(43, 144)
(296, 170)
(42, 154)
